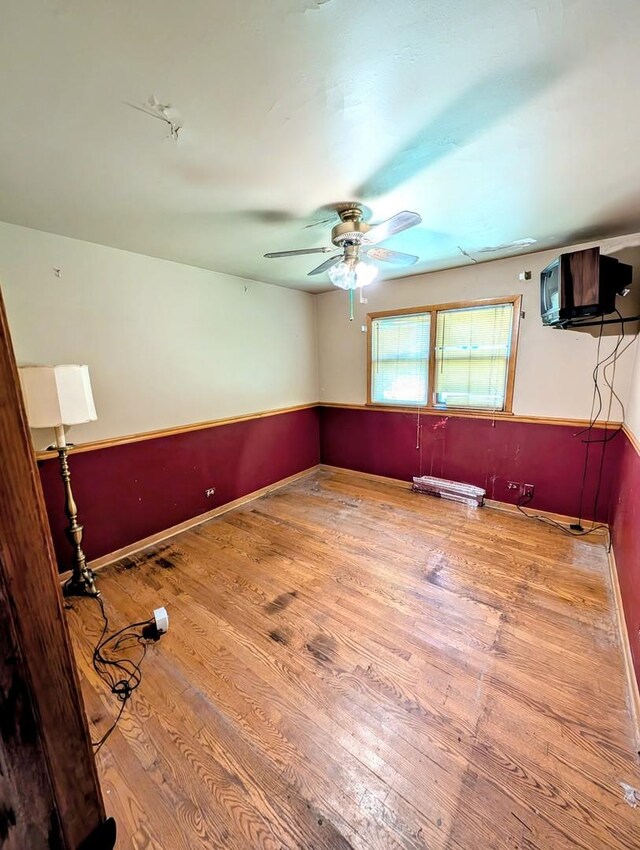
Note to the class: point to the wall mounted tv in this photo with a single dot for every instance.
(580, 285)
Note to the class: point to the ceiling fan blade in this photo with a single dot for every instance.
(300, 251)
(326, 265)
(395, 224)
(324, 221)
(387, 256)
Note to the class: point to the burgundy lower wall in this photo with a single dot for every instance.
(484, 452)
(126, 493)
(625, 532)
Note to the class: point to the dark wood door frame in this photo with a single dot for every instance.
(49, 790)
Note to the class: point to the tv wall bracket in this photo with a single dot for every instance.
(570, 324)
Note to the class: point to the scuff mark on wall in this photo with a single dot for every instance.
(437, 447)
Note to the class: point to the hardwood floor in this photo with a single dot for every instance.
(351, 665)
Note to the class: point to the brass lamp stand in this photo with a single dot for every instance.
(82, 581)
(56, 396)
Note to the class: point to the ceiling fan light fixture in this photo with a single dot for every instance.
(354, 238)
(349, 274)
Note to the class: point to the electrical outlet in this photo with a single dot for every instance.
(210, 492)
(520, 488)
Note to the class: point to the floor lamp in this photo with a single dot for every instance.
(56, 396)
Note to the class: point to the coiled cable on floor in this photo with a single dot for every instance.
(113, 663)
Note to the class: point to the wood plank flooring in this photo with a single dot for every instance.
(351, 665)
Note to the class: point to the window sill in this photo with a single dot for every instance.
(444, 411)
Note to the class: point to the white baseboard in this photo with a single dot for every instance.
(633, 689)
(494, 504)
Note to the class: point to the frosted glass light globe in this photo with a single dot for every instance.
(350, 274)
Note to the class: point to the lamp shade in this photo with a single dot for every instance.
(57, 395)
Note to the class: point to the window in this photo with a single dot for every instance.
(447, 356)
(400, 359)
(472, 356)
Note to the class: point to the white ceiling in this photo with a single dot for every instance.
(496, 121)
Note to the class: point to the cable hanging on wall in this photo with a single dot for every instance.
(607, 363)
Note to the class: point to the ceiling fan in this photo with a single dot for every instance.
(357, 242)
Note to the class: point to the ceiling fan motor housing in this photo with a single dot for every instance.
(352, 237)
(351, 229)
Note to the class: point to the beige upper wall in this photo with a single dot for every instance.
(169, 344)
(554, 368)
(166, 344)
(632, 419)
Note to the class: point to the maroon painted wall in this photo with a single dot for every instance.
(125, 493)
(484, 452)
(625, 532)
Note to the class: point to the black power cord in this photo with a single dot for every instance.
(523, 501)
(589, 429)
(608, 362)
(111, 661)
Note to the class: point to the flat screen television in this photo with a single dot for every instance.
(580, 285)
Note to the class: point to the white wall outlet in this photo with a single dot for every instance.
(210, 492)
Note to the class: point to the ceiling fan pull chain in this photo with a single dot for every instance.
(351, 291)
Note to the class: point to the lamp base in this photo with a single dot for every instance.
(82, 581)
(81, 585)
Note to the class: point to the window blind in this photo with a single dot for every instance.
(472, 356)
(400, 359)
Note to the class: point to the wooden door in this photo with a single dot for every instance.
(49, 791)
